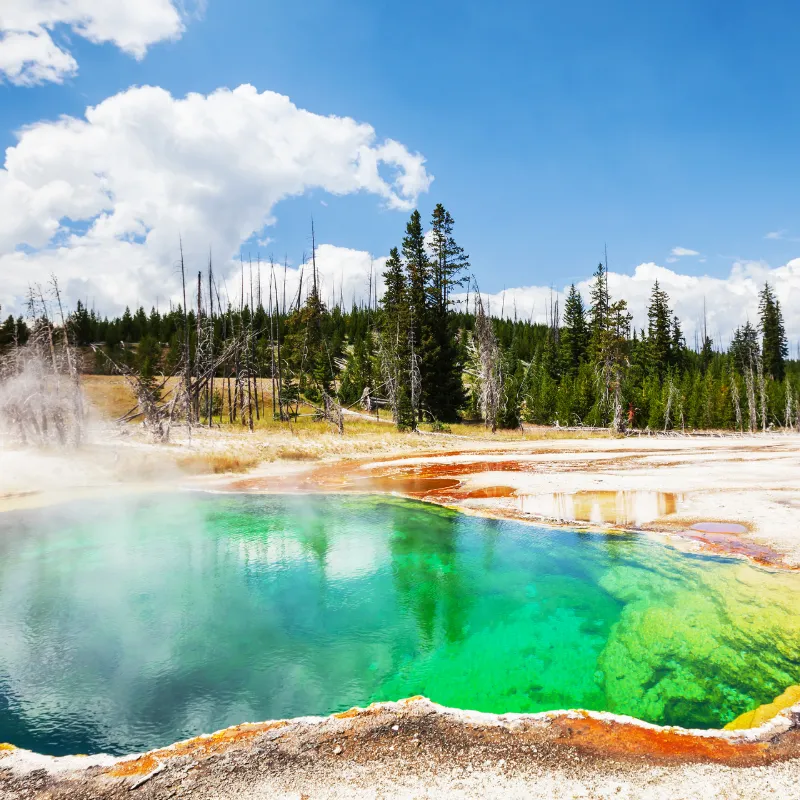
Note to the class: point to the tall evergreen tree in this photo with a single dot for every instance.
(745, 350)
(81, 325)
(444, 396)
(707, 352)
(449, 262)
(611, 362)
(774, 346)
(395, 341)
(659, 332)
(677, 345)
(575, 335)
(148, 363)
(600, 301)
(418, 269)
(307, 349)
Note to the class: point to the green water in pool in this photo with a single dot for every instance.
(135, 621)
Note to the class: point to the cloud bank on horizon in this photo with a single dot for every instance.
(726, 302)
(29, 54)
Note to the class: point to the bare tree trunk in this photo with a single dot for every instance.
(788, 422)
(254, 370)
(751, 399)
(415, 377)
(670, 397)
(211, 344)
(737, 408)
(333, 412)
(187, 360)
(489, 366)
(72, 366)
(198, 360)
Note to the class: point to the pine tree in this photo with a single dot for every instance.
(126, 331)
(443, 396)
(600, 302)
(306, 349)
(449, 262)
(659, 333)
(421, 342)
(395, 354)
(677, 346)
(148, 363)
(357, 374)
(80, 323)
(575, 334)
(745, 350)
(706, 353)
(774, 346)
(610, 358)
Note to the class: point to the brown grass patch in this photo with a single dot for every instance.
(110, 395)
(288, 453)
(217, 463)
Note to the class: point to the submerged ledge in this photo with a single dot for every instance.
(412, 739)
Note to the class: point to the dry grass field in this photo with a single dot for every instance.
(112, 397)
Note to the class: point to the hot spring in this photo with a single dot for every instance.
(130, 623)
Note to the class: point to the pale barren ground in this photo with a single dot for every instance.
(754, 481)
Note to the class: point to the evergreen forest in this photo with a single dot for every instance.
(419, 356)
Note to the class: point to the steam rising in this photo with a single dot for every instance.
(40, 396)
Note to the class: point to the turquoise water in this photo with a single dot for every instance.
(137, 621)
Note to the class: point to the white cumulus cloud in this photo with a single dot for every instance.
(729, 301)
(683, 251)
(29, 54)
(102, 201)
(344, 276)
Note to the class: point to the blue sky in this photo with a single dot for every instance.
(550, 129)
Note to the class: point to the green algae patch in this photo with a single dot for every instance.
(533, 659)
(699, 642)
(131, 624)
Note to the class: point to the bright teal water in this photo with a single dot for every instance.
(138, 621)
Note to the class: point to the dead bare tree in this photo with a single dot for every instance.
(332, 412)
(41, 401)
(186, 355)
(415, 377)
(671, 395)
(797, 413)
(489, 366)
(72, 361)
(210, 341)
(762, 392)
(788, 419)
(751, 398)
(737, 408)
(387, 356)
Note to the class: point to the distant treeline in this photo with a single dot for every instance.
(414, 352)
